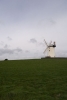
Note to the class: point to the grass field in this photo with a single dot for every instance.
(44, 79)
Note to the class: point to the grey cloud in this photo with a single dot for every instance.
(9, 38)
(62, 53)
(18, 50)
(52, 21)
(10, 51)
(46, 22)
(6, 46)
(41, 44)
(1, 43)
(6, 51)
(27, 51)
(33, 40)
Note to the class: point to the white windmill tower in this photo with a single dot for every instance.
(50, 49)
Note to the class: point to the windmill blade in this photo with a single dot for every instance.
(50, 42)
(45, 50)
(46, 43)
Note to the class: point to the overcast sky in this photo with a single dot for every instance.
(24, 24)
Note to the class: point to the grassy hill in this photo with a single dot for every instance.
(43, 79)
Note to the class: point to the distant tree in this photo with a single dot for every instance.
(6, 59)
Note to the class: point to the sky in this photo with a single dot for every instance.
(24, 24)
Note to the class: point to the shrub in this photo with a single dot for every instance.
(6, 59)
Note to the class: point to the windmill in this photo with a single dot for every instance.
(50, 49)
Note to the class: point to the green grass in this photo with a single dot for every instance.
(44, 79)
